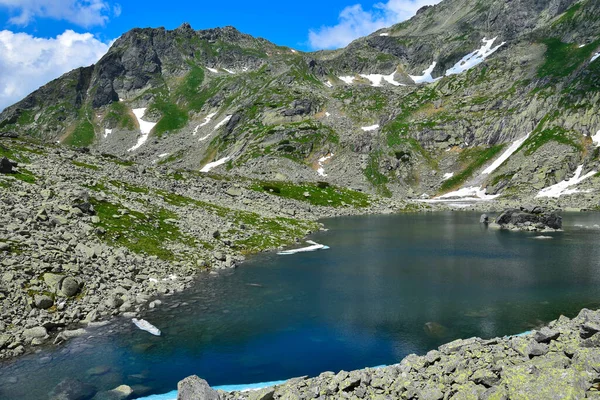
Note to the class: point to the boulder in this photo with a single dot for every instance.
(119, 393)
(43, 302)
(39, 332)
(537, 220)
(6, 167)
(484, 219)
(69, 287)
(194, 388)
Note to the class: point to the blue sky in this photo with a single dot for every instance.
(42, 39)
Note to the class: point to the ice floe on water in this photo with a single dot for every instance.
(596, 139)
(506, 155)
(542, 237)
(322, 160)
(564, 187)
(146, 326)
(475, 58)
(314, 246)
(347, 79)
(370, 128)
(145, 128)
(595, 57)
(376, 79)
(107, 132)
(214, 164)
(206, 121)
(223, 122)
(426, 77)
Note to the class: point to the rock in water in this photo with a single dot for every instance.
(194, 388)
(484, 219)
(529, 219)
(146, 326)
(72, 389)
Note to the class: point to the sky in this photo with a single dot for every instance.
(43, 39)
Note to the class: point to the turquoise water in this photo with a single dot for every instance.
(387, 287)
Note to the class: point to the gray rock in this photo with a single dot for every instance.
(69, 287)
(72, 389)
(194, 388)
(38, 332)
(546, 335)
(43, 302)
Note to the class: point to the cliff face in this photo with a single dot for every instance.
(422, 107)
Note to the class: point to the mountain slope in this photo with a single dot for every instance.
(422, 107)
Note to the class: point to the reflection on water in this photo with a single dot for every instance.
(389, 286)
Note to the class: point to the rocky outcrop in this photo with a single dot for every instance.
(558, 361)
(529, 218)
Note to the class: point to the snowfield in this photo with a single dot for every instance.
(145, 128)
(475, 58)
(563, 188)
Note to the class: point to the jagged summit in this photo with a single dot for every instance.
(423, 107)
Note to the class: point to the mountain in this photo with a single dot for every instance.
(483, 97)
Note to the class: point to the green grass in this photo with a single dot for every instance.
(129, 187)
(375, 177)
(25, 176)
(140, 233)
(82, 136)
(173, 117)
(189, 89)
(540, 137)
(473, 158)
(116, 160)
(321, 194)
(118, 115)
(84, 165)
(562, 59)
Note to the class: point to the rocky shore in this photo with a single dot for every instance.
(85, 237)
(558, 361)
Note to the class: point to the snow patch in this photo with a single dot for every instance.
(228, 70)
(107, 132)
(314, 246)
(426, 77)
(581, 45)
(163, 155)
(214, 71)
(329, 84)
(222, 123)
(146, 326)
(322, 160)
(293, 51)
(206, 121)
(214, 164)
(347, 79)
(327, 114)
(472, 193)
(384, 34)
(509, 152)
(562, 188)
(448, 176)
(595, 57)
(145, 128)
(370, 128)
(376, 79)
(475, 58)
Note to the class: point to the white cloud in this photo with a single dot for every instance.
(355, 22)
(27, 62)
(84, 13)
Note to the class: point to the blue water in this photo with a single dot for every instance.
(387, 287)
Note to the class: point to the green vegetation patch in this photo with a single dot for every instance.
(173, 117)
(321, 194)
(190, 88)
(140, 233)
(84, 165)
(118, 115)
(474, 158)
(82, 136)
(375, 177)
(555, 134)
(562, 59)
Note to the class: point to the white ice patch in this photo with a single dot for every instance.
(426, 77)
(230, 71)
(370, 128)
(145, 128)
(347, 79)
(329, 115)
(562, 188)
(206, 121)
(329, 84)
(146, 326)
(314, 246)
(384, 34)
(505, 156)
(475, 58)
(472, 193)
(163, 155)
(214, 164)
(322, 160)
(448, 176)
(596, 139)
(376, 79)
(581, 45)
(222, 123)
(595, 57)
(107, 132)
